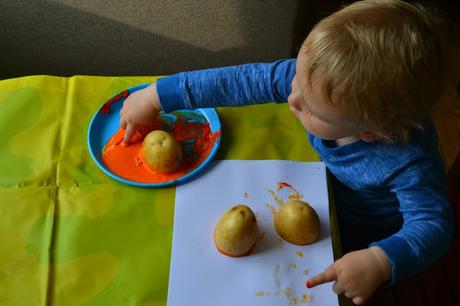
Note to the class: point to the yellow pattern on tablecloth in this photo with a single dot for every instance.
(70, 234)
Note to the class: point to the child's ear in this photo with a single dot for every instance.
(371, 136)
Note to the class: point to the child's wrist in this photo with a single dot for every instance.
(154, 99)
(382, 261)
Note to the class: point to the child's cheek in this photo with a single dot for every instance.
(315, 128)
(306, 122)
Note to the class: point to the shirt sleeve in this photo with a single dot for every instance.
(227, 86)
(428, 225)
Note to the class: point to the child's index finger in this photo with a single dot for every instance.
(327, 276)
(129, 131)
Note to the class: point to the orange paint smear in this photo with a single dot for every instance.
(125, 160)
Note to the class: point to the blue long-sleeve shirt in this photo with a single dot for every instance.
(384, 185)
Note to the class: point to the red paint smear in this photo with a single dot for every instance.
(105, 109)
(183, 130)
(125, 160)
(284, 184)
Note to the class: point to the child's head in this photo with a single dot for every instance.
(379, 64)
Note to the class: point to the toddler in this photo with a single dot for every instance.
(362, 85)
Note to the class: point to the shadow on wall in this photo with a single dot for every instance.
(44, 37)
(143, 37)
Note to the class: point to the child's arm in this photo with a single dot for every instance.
(357, 274)
(228, 86)
(415, 176)
(428, 225)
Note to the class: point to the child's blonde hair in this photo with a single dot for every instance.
(385, 60)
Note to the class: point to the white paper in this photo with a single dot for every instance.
(276, 271)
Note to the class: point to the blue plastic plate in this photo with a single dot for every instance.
(105, 124)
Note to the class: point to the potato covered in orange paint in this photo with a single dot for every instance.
(162, 152)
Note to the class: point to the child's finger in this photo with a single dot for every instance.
(123, 124)
(327, 276)
(359, 300)
(130, 129)
(338, 289)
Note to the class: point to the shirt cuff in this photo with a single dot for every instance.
(169, 93)
(400, 255)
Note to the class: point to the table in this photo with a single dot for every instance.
(70, 235)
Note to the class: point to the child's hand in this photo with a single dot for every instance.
(357, 274)
(140, 108)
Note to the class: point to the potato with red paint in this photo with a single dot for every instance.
(236, 232)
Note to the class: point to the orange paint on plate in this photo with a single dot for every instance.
(125, 160)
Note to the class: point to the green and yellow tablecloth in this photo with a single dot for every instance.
(69, 234)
